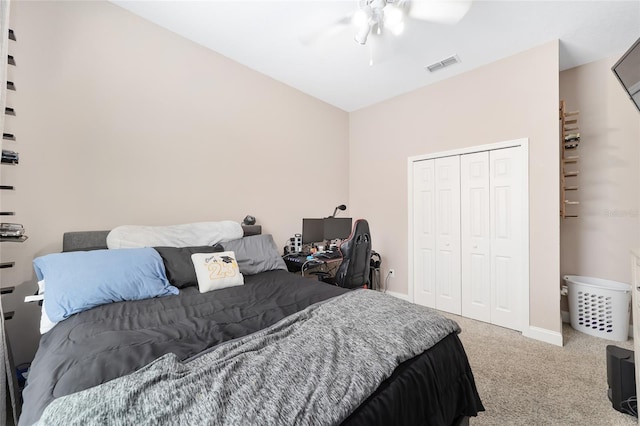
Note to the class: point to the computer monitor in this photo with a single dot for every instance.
(337, 227)
(330, 228)
(312, 230)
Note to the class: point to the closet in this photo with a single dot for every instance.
(467, 228)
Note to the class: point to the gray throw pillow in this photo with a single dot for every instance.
(255, 254)
(178, 264)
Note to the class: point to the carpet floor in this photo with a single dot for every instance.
(522, 381)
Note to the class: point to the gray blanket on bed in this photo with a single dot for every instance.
(313, 367)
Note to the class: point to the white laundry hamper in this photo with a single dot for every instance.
(599, 307)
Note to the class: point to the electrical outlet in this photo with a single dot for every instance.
(392, 273)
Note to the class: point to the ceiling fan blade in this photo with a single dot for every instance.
(328, 31)
(440, 11)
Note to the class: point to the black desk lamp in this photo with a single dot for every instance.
(340, 207)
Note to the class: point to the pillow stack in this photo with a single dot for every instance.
(80, 280)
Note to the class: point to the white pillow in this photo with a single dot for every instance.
(216, 270)
(45, 322)
(186, 235)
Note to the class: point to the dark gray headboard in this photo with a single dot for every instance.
(94, 240)
(84, 240)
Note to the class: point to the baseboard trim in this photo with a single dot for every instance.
(531, 332)
(543, 335)
(398, 295)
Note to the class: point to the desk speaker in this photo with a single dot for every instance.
(621, 378)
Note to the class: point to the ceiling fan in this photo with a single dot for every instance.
(380, 15)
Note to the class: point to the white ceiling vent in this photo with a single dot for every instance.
(443, 63)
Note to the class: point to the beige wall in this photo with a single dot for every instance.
(597, 243)
(122, 122)
(513, 98)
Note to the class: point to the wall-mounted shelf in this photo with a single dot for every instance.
(8, 136)
(20, 239)
(569, 142)
(6, 290)
(8, 156)
(7, 187)
(12, 406)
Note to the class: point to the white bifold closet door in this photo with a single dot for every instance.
(424, 246)
(505, 198)
(447, 233)
(491, 236)
(467, 253)
(424, 241)
(436, 254)
(476, 236)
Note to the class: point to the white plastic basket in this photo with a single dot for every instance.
(599, 307)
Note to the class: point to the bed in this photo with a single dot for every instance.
(192, 356)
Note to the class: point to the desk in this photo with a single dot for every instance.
(301, 264)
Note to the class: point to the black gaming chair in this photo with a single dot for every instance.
(353, 272)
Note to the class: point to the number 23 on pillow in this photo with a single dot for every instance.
(216, 270)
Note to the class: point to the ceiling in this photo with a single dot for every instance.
(292, 42)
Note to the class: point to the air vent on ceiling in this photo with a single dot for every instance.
(443, 63)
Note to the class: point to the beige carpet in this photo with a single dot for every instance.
(525, 382)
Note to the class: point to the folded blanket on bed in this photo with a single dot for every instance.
(313, 367)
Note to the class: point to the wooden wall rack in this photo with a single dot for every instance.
(569, 142)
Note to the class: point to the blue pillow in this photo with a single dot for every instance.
(81, 280)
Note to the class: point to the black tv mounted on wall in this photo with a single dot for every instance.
(627, 70)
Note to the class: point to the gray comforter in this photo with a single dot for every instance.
(113, 340)
(313, 367)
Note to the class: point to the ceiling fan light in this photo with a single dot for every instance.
(361, 17)
(392, 15)
(397, 29)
